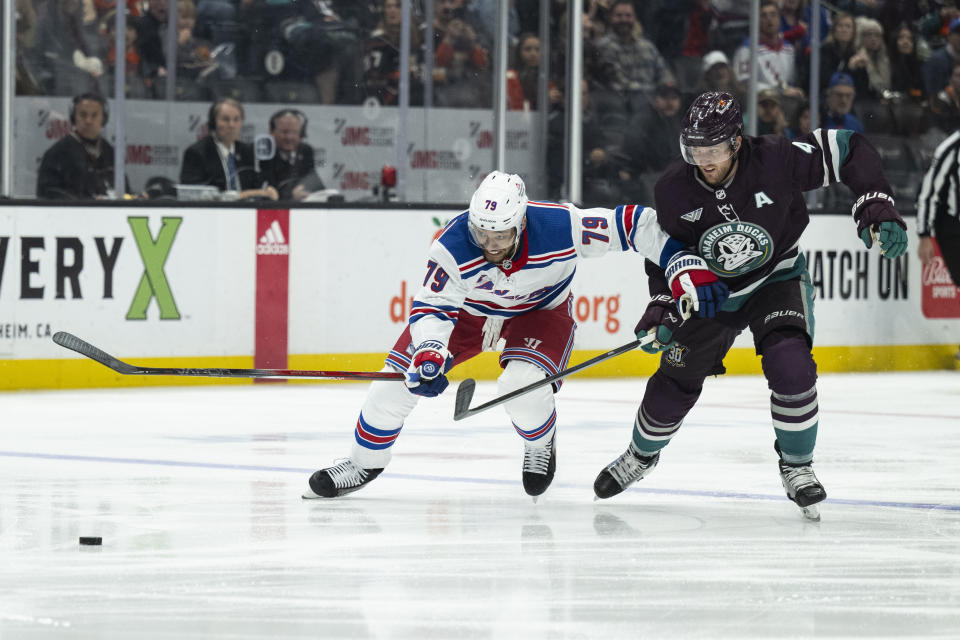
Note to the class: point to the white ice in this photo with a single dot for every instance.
(196, 493)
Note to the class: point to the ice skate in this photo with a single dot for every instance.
(624, 471)
(338, 480)
(802, 486)
(539, 465)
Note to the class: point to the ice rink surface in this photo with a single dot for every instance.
(196, 494)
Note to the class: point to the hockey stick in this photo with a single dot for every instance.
(465, 391)
(466, 388)
(83, 347)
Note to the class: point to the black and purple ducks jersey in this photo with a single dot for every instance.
(748, 230)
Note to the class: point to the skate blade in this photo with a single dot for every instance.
(535, 499)
(811, 513)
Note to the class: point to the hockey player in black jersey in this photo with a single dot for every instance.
(737, 203)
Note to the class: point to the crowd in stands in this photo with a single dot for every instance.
(886, 67)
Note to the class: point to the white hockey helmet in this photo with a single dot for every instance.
(498, 204)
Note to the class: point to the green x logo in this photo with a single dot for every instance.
(154, 254)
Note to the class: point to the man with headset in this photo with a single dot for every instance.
(80, 165)
(221, 159)
(291, 171)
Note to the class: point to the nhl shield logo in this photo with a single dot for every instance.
(734, 248)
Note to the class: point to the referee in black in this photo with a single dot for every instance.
(938, 205)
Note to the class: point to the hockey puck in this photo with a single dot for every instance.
(91, 540)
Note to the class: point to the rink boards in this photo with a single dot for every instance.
(329, 289)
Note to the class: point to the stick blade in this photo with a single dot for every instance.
(461, 407)
(84, 348)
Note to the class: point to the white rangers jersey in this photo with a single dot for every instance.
(460, 280)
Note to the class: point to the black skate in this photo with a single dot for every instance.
(338, 480)
(802, 486)
(624, 471)
(539, 465)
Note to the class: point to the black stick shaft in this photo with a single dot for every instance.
(83, 347)
(463, 412)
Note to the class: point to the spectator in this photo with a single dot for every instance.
(482, 14)
(937, 68)
(800, 122)
(637, 64)
(80, 165)
(599, 72)
(522, 79)
(718, 76)
(871, 57)
(72, 66)
(605, 178)
(151, 39)
(906, 69)
(27, 82)
(680, 30)
(870, 69)
(651, 139)
(946, 104)
(840, 97)
(381, 58)
(292, 170)
(325, 45)
(194, 55)
(776, 67)
(909, 98)
(838, 48)
(221, 160)
(795, 23)
(770, 117)
(134, 83)
(461, 71)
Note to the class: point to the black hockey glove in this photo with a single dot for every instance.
(660, 318)
(878, 220)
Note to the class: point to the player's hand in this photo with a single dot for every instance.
(661, 319)
(878, 220)
(691, 280)
(425, 376)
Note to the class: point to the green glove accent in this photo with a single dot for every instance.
(891, 237)
(663, 341)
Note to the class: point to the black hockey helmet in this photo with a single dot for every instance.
(714, 118)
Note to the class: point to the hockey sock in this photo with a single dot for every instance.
(381, 418)
(533, 414)
(666, 402)
(791, 375)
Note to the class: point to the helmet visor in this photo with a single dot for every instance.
(493, 240)
(703, 156)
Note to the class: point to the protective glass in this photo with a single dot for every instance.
(493, 240)
(714, 154)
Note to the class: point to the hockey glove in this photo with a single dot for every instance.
(661, 319)
(878, 220)
(425, 376)
(691, 281)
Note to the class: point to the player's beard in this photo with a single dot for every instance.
(726, 175)
(500, 256)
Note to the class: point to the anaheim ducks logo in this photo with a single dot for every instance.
(734, 248)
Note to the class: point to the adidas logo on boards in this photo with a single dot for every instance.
(272, 242)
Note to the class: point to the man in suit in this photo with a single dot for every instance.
(291, 171)
(221, 160)
(80, 165)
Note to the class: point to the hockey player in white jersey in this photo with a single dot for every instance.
(501, 269)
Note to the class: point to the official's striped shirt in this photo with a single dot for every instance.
(940, 191)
